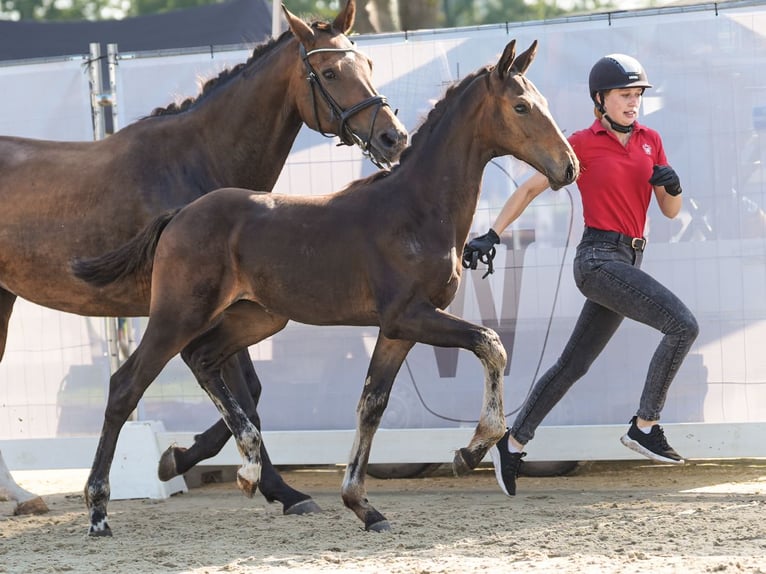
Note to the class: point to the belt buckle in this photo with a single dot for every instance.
(638, 243)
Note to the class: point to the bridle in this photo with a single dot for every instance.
(345, 133)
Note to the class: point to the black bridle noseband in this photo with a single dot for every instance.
(345, 133)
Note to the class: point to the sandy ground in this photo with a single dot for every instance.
(605, 518)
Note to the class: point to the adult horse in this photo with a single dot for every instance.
(62, 199)
(232, 268)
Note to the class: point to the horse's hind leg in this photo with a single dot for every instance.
(241, 325)
(387, 359)
(177, 460)
(126, 386)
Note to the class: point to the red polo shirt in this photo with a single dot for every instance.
(614, 179)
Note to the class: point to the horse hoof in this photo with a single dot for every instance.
(32, 506)
(100, 533)
(168, 466)
(380, 526)
(247, 486)
(307, 506)
(460, 467)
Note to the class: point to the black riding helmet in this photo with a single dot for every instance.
(615, 71)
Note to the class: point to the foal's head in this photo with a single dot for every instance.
(517, 120)
(339, 96)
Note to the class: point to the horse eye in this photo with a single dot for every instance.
(521, 108)
(329, 75)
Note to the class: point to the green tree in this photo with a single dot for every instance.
(407, 14)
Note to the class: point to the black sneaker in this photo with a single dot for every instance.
(507, 464)
(653, 445)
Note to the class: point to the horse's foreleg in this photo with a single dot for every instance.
(441, 329)
(491, 424)
(386, 361)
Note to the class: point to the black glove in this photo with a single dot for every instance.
(481, 248)
(666, 176)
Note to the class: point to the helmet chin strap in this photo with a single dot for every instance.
(614, 125)
(619, 127)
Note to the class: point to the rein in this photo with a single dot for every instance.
(346, 134)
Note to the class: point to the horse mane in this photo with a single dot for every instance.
(258, 52)
(426, 127)
(437, 112)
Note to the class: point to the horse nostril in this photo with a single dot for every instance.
(570, 172)
(392, 138)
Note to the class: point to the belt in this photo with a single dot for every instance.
(636, 243)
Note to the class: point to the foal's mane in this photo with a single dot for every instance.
(427, 126)
(437, 112)
(258, 52)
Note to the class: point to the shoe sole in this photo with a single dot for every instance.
(637, 447)
(494, 454)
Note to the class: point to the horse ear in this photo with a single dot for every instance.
(505, 61)
(344, 21)
(521, 63)
(302, 31)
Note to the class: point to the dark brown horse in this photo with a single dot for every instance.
(232, 268)
(65, 199)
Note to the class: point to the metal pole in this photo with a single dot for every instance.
(276, 13)
(111, 51)
(100, 98)
(94, 72)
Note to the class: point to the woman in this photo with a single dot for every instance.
(621, 163)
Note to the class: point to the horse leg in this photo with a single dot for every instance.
(172, 324)
(436, 327)
(177, 460)
(126, 386)
(242, 324)
(7, 299)
(387, 359)
(26, 502)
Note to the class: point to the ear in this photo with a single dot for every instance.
(299, 28)
(521, 63)
(505, 61)
(344, 21)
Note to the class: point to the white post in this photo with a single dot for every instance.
(100, 98)
(111, 50)
(94, 71)
(276, 21)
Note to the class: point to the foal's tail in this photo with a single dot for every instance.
(133, 259)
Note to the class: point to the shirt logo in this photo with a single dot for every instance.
(647, 149)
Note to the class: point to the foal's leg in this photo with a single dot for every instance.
(126, 386)
(177, 460)
(435, 327)
(242, 325)
(387, 359)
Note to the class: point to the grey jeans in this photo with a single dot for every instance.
(607, 271)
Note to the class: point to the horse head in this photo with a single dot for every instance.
(336, 93)
(520, 122)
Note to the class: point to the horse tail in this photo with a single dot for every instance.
(133, 259)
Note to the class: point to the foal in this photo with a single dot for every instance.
(232, 268)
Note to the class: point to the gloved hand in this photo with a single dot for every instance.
(481, 248)
(666, 176)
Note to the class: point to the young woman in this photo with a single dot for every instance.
(621, 164)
